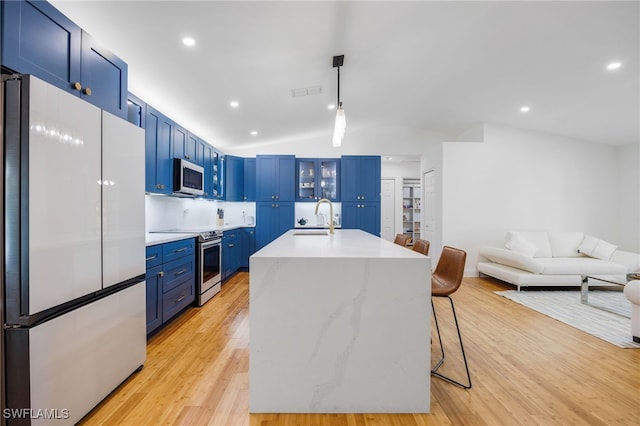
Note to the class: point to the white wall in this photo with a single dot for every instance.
(628, 197)
(524, 180)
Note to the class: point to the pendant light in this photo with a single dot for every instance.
(341, 122)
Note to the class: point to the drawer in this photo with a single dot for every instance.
(154, 256)
(177, 272)
(177, 299)
(177, 249)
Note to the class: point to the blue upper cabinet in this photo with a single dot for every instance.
(249, 179)
(275, 178)
(37, 39)
(317, 178)
(360, 178)
(158, 152)
(103, 77)
(205, 159)
(185, 144)
(136, 111)
(234, 182)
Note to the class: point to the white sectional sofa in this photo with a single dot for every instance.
(545, 258)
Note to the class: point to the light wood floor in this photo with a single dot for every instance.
(527, 369)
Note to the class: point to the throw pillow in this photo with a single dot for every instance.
(595, 247)
(521, 245)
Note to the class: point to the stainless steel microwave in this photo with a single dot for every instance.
(188, 178)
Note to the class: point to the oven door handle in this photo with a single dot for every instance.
(208, 244)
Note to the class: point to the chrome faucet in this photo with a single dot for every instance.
(324, 200)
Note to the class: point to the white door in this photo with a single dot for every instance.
(123, 207)
(388, 208)
(428, 205)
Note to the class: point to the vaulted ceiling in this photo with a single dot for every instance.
(433, 66)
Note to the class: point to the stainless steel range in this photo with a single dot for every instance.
(209, 266)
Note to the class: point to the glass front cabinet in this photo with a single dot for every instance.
(317, 178)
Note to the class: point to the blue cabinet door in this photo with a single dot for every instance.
(158, 152)
(180, 142)
(136, 111)
(104, 77)
(317, 178)
(360, 178)
(37, 39)
(248, 246)
(249, 179)
(369, 178)
(231, 252)
(154, 283)
(272, 220)
(361, 215)
(234, 178)
(275, 178)
(205, 158)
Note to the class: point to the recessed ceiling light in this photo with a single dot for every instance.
(254, 132)
(188, 41)
(525, 109)
(614, 66)
(331, 106)
(234, 104)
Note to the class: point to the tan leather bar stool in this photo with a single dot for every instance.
(421, 246)
(402, 240)
(446, 280)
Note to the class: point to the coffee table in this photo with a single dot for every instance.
(619, 280)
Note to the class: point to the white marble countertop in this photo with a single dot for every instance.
(352, 243)
(153, 238)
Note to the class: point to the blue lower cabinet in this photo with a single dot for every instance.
(154, 278)
(361, 215)
(273, 220)
(170, 281)
(248, 246)
(176, 300)
(230, 253)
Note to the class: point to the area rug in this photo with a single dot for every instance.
(565, 306)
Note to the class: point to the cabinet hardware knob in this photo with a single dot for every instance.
(161, 273)
(87, 91)
(187, 157)
(232, 245)
(77, 85)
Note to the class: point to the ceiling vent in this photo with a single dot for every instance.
(306, 91)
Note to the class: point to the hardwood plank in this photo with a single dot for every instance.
(526, 368)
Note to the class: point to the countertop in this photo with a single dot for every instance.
(350, 243)
(153, 238)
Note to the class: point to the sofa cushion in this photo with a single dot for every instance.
(580, 266)
(519, 244)
(539, 239)
(565, 244)
(628, 259)
(595, 247)
(512, 258)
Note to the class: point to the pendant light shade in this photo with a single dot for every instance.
(341, 121)
(340, 126)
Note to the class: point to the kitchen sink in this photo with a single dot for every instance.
(311, 232)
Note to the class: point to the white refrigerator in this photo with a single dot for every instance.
(73, 288)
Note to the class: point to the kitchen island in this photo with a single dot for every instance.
(339, 324)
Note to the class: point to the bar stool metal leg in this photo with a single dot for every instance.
(434, 370)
